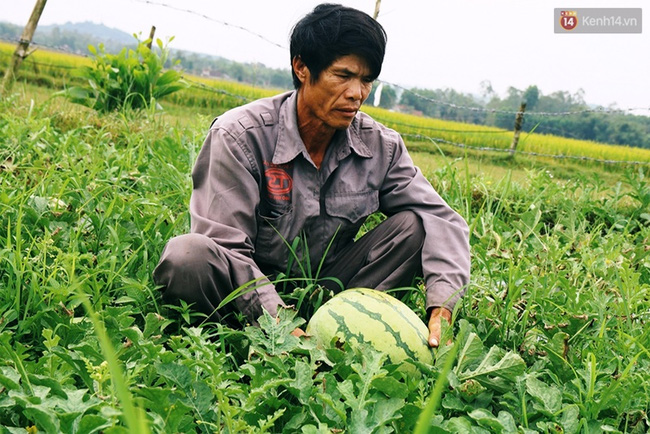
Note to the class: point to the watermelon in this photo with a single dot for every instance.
(362, 315)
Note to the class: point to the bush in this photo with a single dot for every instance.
(132, 79)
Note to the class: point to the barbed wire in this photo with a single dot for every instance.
(227, 24)
(49, 65)
(29, 62)
(38, 44)
(203, 86)
(435, 141)
(601, 110)
(539, 129)
(403, 124)
(536, 129)
(198, 85)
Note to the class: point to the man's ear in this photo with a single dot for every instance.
(300, 69)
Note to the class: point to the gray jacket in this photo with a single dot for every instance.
(256, 189)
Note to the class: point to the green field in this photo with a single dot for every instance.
(552, 335)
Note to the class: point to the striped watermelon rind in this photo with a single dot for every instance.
(363, 315)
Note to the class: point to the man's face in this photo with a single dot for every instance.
(335, 98)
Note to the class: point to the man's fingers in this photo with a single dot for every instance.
(435, 326)
(434, 333)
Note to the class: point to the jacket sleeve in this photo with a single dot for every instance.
(445, 253)
(223, 207)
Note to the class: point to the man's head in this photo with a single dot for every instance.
(332, 31)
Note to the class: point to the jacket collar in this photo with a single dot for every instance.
(289, 144)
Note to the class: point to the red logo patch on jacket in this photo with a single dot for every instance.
(278, 181)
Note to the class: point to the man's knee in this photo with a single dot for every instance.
(187, 255)
(410, 221)
(410, 229)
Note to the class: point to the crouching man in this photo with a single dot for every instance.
(308, 163)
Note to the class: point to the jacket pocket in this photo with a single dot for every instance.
(347, 212)
(352, 206)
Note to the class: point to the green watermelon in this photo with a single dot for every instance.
(362, 315)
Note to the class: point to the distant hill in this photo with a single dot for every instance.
(72, 37)
(97, 31)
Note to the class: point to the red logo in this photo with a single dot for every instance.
(278, 181)
(568, 20)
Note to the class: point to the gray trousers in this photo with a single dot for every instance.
(196, 269)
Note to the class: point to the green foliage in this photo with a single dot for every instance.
(255, 74)
(422, 100)
(552, 334)
(132, 79)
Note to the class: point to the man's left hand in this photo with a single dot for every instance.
(435, 325)
(299, 333)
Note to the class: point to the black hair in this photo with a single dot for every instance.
(331, 31)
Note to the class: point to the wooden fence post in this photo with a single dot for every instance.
(519, 119)
(151, 35)
(23, 45)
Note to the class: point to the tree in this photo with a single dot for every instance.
(388, 96)
(487, 91)
(531, 97)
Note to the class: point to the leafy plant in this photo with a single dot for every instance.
(132, 79)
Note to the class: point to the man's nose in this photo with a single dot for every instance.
(355, 90)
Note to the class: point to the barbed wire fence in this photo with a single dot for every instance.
(438, 140)
(214, 20)
(420, 137)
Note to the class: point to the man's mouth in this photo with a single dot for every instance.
(349, 111)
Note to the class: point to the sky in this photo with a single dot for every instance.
(433, 44)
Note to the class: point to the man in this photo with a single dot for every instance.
(309, 164)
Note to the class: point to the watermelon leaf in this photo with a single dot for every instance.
(487, 420)
(301, 385)
(385, 411)
(391, 387)
(505, 367)
(470, 346)
(549, 397)
(330, 402)
(364, 391)
(274, 334)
